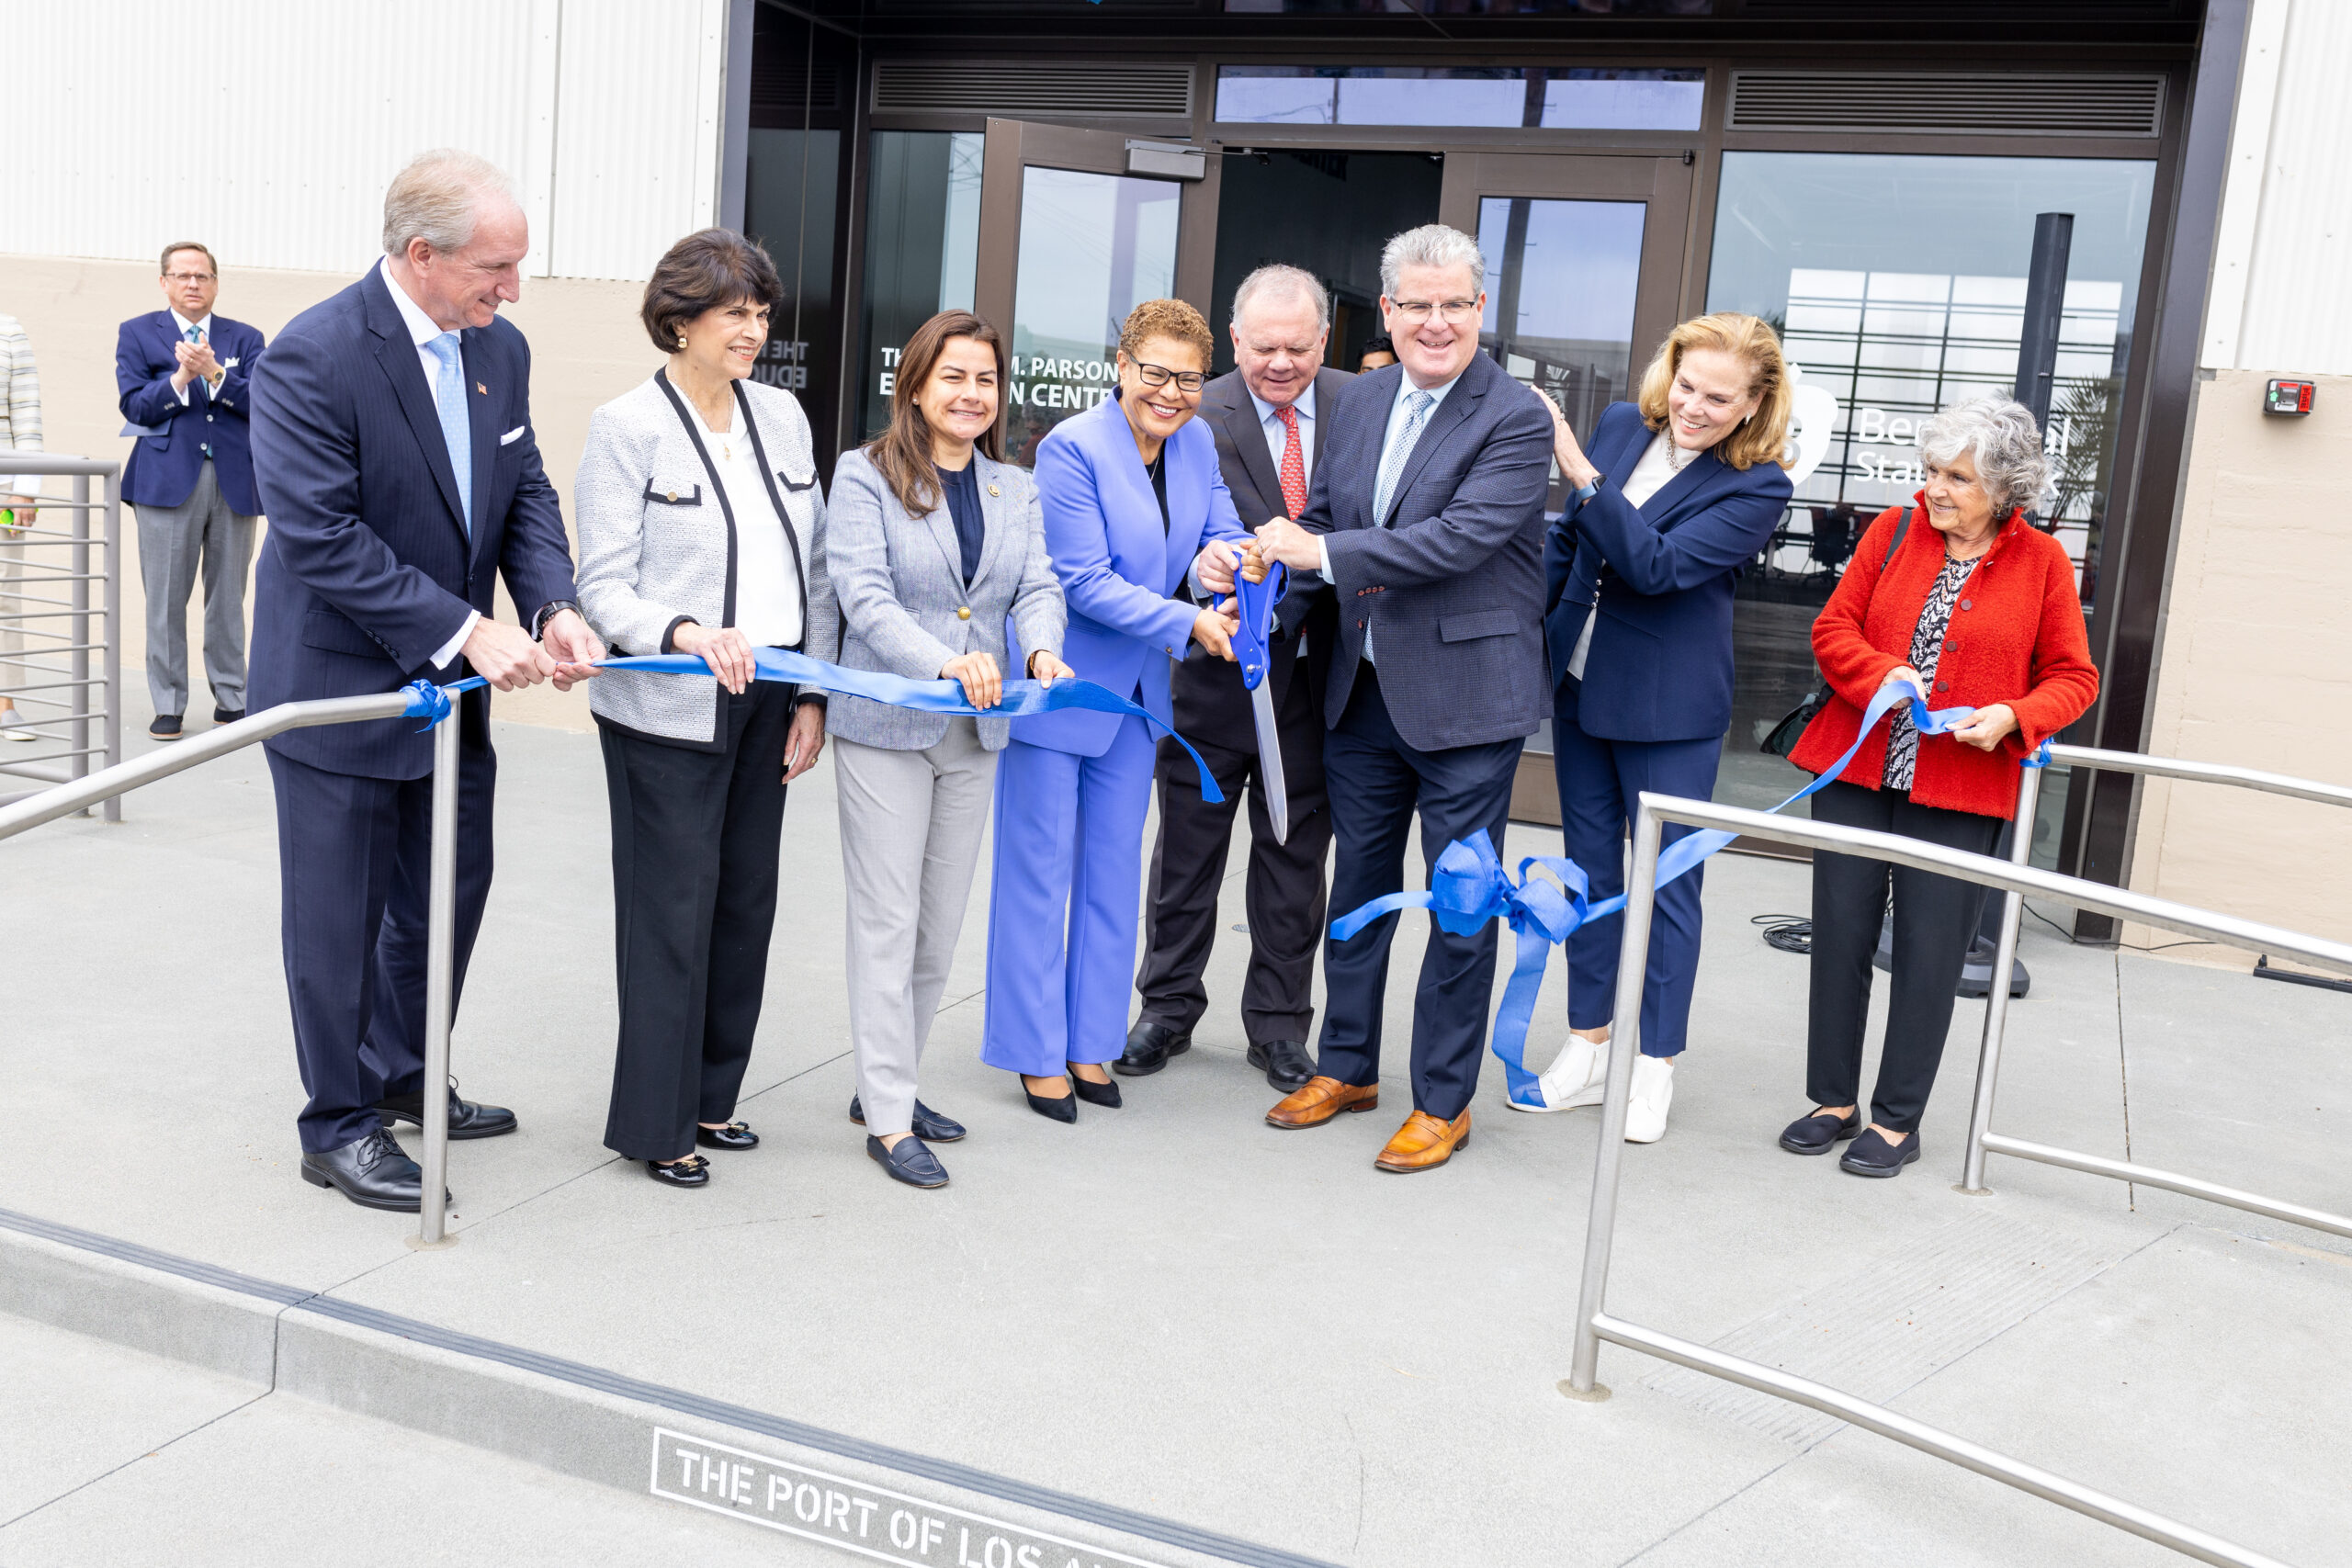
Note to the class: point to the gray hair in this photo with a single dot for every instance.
(439, 198)
(1432, 244)
(1284, 283)
(2002, 440)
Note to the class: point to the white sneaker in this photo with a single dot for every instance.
(1653, 1092)
(12, 726)
(1575, 1076)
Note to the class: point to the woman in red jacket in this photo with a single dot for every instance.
(1976, 609)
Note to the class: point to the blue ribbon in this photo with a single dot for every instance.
(430, 703)
(1470, 887)
(1254, 644)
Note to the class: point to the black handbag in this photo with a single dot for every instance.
(1785, 734)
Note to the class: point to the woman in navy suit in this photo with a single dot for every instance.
(1681, 490)
(1130, 494)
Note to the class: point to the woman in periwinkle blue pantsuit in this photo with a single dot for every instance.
(1130, 494)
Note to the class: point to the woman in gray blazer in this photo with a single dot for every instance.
(702, 531)
(938, 556)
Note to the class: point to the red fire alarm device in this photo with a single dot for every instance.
(2289, 397)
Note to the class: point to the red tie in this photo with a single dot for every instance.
(1294, 470)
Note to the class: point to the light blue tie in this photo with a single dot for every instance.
(1391, 462)
(195, 334)
(449, 397)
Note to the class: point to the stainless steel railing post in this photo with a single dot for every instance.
(80, 556)
(112, 661)
(1625, 1044)
(440, 965)
(1997, 999)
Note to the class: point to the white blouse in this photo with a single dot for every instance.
(1649, 477)
(767, 584)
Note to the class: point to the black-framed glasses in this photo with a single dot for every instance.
(1415, 311)
(1152, 375)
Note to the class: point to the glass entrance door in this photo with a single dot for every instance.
(1584, 277)
(1070, 242)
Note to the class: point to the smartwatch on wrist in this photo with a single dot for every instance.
(547, 611)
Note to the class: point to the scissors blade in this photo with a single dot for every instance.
(1270, 759)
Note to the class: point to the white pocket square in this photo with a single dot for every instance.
(513, 435)
(228, 364)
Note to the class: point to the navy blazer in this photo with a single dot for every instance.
(1451, 583)
(1660, 663)
(164, 465)
(366, 571)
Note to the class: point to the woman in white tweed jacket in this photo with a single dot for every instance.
(702, 531)
(938, 560)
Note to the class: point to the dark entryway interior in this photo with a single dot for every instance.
(1328, 212)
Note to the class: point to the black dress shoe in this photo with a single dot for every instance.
(927, 1124)
(909, 1162)
(1149, 1045)
(466, 1120)
(1106, 1093)
(165, 728)
(1819, 1133)
(1874, 1156)
(227, 716)
(373, 1172)
(692, 1171)
(734, 1135)
(1285, 1062)
(1062, 1109)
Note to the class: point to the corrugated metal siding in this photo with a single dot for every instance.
(2298, 311)
(269, 128)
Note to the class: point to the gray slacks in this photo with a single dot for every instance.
(174, 544)
(911, 823)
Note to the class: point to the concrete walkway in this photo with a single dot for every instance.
(1174, 1309)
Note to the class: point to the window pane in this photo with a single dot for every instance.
(789, 182)
(1623, 100)
(1565, 98)
(1092, 248)
(1434, 99)
(1281, 95)
(922, 228)
(1899, 282)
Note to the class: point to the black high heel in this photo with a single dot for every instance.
(1103, 1094)
(1064, 1108)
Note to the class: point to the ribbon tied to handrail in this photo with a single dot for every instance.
(430, 703)
(1469, 887)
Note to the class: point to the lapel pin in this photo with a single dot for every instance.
(482, 389)
(993, 490)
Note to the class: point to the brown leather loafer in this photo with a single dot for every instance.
(1424, 1142)
(1321, 1100)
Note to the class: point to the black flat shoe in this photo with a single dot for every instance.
(734, 1135)
(466, 1120)
(227, 716)
(1819, 1133)
(1285, 1062)
(166, 726)
(1062, 1109)
(1148, 1047)
(692, 1171)
(927, 1124)
(373, 1172)
(1104, 1094)
(909, 1162)
(1874, 1156)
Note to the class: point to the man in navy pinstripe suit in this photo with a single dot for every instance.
(391, 436)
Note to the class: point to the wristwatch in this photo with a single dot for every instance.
(548, 612)
(1587, 491)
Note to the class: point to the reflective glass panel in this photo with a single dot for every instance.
(789, 182)
(922, 231)
(1092, 248)
(1466, 8)
(1560, 98)
(1899, 284)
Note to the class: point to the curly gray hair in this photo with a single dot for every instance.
(2001, 439)
(1432, 244)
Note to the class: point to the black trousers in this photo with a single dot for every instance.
(1377, 784)
(1934, 918)
(1284, 892)
(696, 840)
(354, 859)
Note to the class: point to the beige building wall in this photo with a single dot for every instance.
(587, 348)
(2254, 670)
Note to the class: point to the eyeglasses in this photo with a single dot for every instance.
(187, 278)
(1415, 311)
(1160, 376)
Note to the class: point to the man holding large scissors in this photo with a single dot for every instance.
(1269, 416)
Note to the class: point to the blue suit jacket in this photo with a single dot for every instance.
(1660, 663)
(367, 569)
(1451, 588)
(163, 467)
(1117, 568)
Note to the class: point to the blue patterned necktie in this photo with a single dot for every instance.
(449, 398)
(1391, 462)
(195, 334)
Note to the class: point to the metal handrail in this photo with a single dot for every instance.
(1593, 1322)
(79, 644)
(1982, 1139)
(109, 784)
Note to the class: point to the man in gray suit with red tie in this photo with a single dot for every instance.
(1270, 415)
